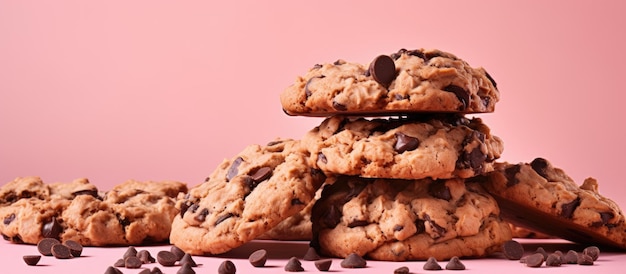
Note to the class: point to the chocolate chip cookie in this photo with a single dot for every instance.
(397, 220)
(421, 80)
(245, 197)
(131, 213)
(544, 198)
(415, 147)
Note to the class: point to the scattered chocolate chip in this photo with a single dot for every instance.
(258, 258)
(178, 252)
(132, 262)
(311, 255)
(261, 174)
(353, 260)
(166, 258)
(540, 165)
(112, 270)
(186, 269)
(145, 257)
(31, 259)
(405, 142)
(455, 264)
(439, 190)
(323, 264)
(187, 259)
(52, 229)
(592, 251)
(462, 94)
(294, 265)
(553, 260)
(233, 170)
(60, 251)
(561, 255)
(75, 247)
(144, 271)
(567, 209)
(432, 264)
(535, 260)
(584, 259)
(512, 250)
(401, 270)
(227, 267)
(120, 263)
(571, 257)
(523, 259)
(542, 251)
(130, 252)
(383, 70)
(44, 246)
(156, 270)
(8, 219)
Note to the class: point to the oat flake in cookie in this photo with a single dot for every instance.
(544, 198)
(421, 80)
(416, 147)
(245, 197)
(398, 220)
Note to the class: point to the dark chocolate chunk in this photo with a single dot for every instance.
(311, 255)
(356, 223)
(462, 94)
(233, 170)
(592, 251)
(321, 157)
(455, 264)
(202, 215)
(261, 174)
(307, 91)
(145, 257)
(510, 174)
(383, 70)
(535, 260)
(561, 256)
(120, 263)
(188, 259)
(186, 269)
(567, 209)
(401, 270)
(31, 259)
(584, 259)
(227, 267)
(75, 247)
(432, 264)
(542, 251)
(512, 250)
(112, 270)
(323, 264)
(89, 192)
(44, 246)
(398, 228)
(52, 229)
(166, 258)
(8, 219)
(353, 260)
(258, 258)
(553, 260)
(294, 265)
(130, 252)
(178, 252)
(331, 217)
(132, 262)
(439, 190)
(405, 142)
(540, 165)
(60, 251)
(437, 228)
(339, 107)
(493, 82)
(571, 257)
(224, 217)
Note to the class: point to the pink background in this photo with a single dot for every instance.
(156, 90)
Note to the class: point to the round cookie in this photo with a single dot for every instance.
(130, 214)
(34, 187)
(408, 81)
(245, 197)
(398, 220)
(416, 147)
(543, 198)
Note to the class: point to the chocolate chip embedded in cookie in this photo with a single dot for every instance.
(436, 146)
(397, 220)
(245, 197)
(544, 198)
(408, 81)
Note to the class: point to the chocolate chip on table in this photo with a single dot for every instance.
(156, 270)
(179, 252)
(227, 267)
(455, 264)
(186, 269)
(187, 259)
(60, 251)
(112, 270)
(31, 259)
(512, 250)
(311, 255)
(145, 256)
(401, 270)
(75, 247)
(166, 258)
(258, 258)
(44, 246)
(543, 252)
(120, 263)
(383, 70)
(52, 229)
(132, 262)
(432, 264)
(535, 260)
(145, 271)
(353, 260)
(294, 265)
(323, 264)
(130, 252)
(553, 260)
(571, 257)
(592, 251)
(584, 259)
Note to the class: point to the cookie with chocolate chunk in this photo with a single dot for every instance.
(245, 197)
(398, 220)
(408, 81)
(414, 147)
(131, 213)
(543, 198)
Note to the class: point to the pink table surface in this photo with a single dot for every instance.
(97, 259)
